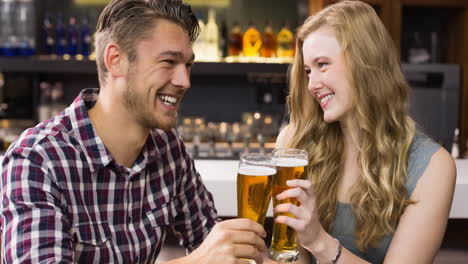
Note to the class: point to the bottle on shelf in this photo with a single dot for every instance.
(200, 43)
(60, 37)
(268, 49)
(8, 38)
(72, 37)
(48, 35)
(223, 41)
(212, 37)
(25, 25)
(235, 40)
(85, 37)
(284, 41)
(252, 41)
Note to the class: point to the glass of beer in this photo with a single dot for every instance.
(290, 164)
(254, 187)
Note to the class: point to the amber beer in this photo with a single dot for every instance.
(254, 187)
(254, 192)
(289, 166)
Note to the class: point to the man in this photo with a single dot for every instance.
(105, 179)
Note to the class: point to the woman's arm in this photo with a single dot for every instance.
(422, 225)
(418, 236)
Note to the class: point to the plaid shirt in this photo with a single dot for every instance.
(65, 199)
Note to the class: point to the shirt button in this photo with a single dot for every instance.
(137, 259)
(129, 219)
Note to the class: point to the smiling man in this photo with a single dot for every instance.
(104, 180)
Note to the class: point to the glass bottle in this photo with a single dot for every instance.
(72, 37)
(235, 40)
(199, 43)
(284, 42)
(252, 41)
(212, 37)
(223, 41)
(85, 37)
(268, 49)
(60, 37)
(48, 36)
(25, 25)
(8, 36)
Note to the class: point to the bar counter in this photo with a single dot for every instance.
(220, 176)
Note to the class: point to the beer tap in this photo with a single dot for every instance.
(246, 143)
(212, 148)
(261, 142)
(196, 146)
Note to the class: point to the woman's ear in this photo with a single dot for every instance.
(115, 60)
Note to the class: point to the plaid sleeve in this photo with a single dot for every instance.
(34, 221)
(198, 214)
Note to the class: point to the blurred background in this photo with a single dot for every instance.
(239, 83)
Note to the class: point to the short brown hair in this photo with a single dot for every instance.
(129, 21)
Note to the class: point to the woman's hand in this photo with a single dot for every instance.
(306, 221)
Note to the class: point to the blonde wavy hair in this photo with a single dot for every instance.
(384, 129)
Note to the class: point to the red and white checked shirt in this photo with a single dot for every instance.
(65, 199)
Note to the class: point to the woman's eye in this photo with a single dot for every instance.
(307, 71)
(321, 64)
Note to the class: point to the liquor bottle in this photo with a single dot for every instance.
(223, 41)
(60, 37)
(85, 37)
(25, 25)
(199, 43)
(268, 49)
(212, 37)
(7, 28)
(252, 41)
(48, 36)
(72, 37)
(235, 40)
(284, 40)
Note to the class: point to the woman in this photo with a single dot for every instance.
(378, 190)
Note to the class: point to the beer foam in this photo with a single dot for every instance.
(256, 170)
(290, 162)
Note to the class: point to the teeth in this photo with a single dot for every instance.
(168, 99)
(326, 98)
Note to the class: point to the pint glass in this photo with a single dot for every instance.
(290, 164)
(254, 187)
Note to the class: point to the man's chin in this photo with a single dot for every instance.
(166, 126)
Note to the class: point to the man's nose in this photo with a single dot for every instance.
(181, 77)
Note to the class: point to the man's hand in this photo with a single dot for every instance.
(230, 241)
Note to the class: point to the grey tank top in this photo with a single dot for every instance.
(421, 151)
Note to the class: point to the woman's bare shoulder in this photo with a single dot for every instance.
(285, 136)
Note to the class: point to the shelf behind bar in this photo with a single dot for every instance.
(49, 65)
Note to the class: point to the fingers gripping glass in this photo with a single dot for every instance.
(290, 164)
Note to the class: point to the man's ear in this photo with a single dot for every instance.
(115, 60)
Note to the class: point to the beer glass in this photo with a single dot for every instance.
(290, 164)
(254, 186)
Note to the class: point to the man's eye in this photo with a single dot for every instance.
(171, 62)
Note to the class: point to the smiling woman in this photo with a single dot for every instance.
(372, 172)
